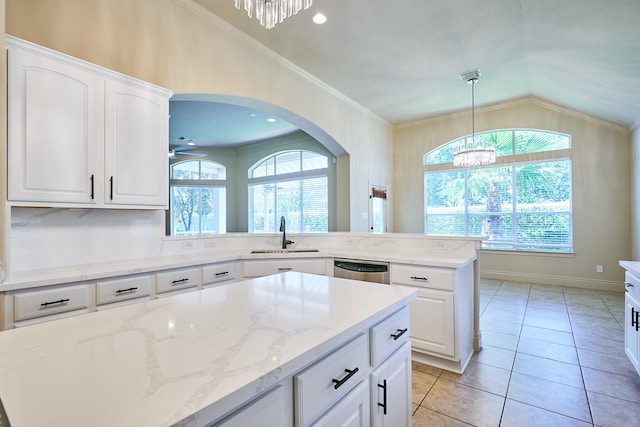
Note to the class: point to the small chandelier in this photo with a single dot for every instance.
(271, 12)
(475, 152)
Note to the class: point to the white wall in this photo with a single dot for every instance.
(601, 169)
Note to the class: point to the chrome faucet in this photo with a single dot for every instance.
(283, 228)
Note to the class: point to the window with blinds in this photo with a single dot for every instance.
(293, 184)
(522, 204)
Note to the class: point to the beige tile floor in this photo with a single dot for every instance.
(551, 356)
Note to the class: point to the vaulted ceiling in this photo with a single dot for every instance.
(401, 59)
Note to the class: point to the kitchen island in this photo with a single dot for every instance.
(199, 357)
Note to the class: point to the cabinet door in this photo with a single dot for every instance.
(136, 145)
(391, 390)
(272, 409)
(631, 334)
(432, 322)
(52, 130)
(352, 411)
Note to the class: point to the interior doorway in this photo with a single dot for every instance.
(377, 209)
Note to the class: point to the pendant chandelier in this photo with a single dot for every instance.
(475, 152)
(271, 12)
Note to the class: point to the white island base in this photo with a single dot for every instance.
(289, 349)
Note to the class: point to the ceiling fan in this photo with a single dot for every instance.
(184, 145)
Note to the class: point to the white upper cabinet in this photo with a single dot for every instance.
(52, 130)
(83, 136)
(136, 145)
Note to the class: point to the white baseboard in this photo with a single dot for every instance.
(545, 279)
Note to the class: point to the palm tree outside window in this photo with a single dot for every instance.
(523, 202)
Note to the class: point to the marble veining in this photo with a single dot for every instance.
(166, 361)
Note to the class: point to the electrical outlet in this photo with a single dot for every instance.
(599, 268)
(187, 244)
(209, 243)
(440, 246)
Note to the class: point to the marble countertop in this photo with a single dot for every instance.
(79, 273)
(177, 359)
(632, 266)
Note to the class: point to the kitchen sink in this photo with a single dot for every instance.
(282, 251)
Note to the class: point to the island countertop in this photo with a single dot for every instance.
(166, 361)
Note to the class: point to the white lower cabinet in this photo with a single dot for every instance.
(352, 411)
(27, 307)
(632, 319)
(391, 390)
(266, 267)
(272, 408)
(432, 322)
(113, 293)
(170, 282)
(329, 380)
(220, 274)
(442, 315)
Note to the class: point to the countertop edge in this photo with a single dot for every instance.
(85, 273)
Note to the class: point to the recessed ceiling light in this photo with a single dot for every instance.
(271, 120)
(319, 18)
(252, 114)
(191, 143)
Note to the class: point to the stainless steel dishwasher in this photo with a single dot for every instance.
(357, 269)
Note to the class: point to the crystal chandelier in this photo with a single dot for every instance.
(271, 12)
(475, 152)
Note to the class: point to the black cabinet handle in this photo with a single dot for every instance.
(399, 334)
(120, 291)
(111, 188)
(223, 273)
(92, 187)
(634, 318)
(383, 386)
(422, 279)
(350, 373)
(175, 282)
(285, 269)
(61, 301)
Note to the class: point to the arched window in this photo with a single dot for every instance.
(522, 202)
(198, 198)
(293, 184)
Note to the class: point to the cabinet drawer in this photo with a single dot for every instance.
(632, 285)
(123, 289)
(424, 277)
(178, 279)
(389, 335)
(52, 301)
(326, 382)
(265, 267)
(219, 273)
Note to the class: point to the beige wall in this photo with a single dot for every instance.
(635, 191)
(177, 44)
(601, 169)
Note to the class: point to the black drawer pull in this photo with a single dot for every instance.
(350, 373)
(285, 269)
(175, 282)
(223, 273)
(400, 333)
(62, 301)
(120, 291)
(92, 187)
(383, 386)
(111, 188)
(422, 279)
(634, 318)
